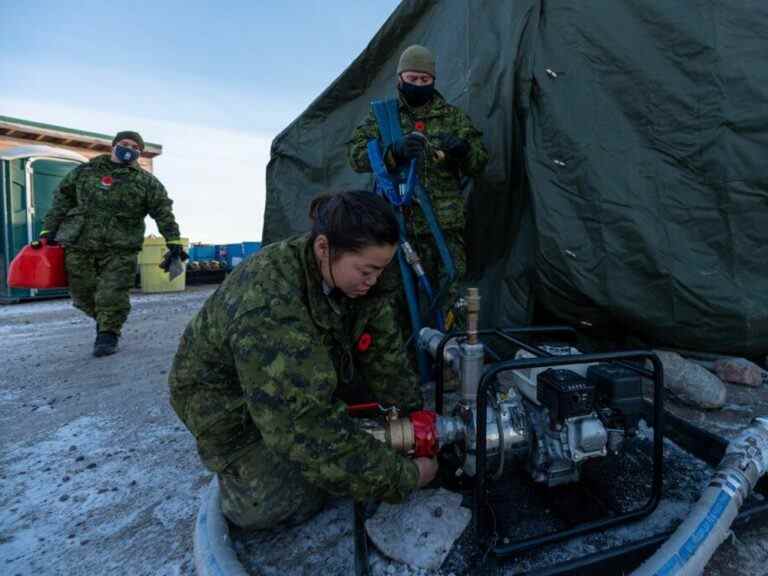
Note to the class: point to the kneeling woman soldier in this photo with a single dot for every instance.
(263, 371)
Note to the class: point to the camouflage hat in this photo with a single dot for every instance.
(416, 59)
(130, 135)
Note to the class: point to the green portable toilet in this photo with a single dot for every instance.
(29, 175)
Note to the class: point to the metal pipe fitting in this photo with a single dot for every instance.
(412, 258)
(422, 433)
(450, 430)
(471, 364)
(473, 314)
(429, 340)
(399, 435)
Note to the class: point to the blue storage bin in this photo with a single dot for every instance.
(250, 248)
(201, 252)
(234, 254)
(220, 251)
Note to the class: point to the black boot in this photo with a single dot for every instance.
(106, 344)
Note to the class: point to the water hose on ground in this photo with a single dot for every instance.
(690, 547)
(214, 553)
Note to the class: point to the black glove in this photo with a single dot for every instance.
(174, 251)
(454, 147)
(177, 251)
(45, 235)
(409, 147)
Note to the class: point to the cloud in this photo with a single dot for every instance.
(215, 176)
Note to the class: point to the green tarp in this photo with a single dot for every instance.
(628, 181)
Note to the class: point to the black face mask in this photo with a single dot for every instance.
(126, 155)
(416, 95)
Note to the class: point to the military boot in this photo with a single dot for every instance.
(105, 344)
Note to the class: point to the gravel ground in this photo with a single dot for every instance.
(97, 476)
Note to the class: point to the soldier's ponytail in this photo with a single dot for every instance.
(353, 221)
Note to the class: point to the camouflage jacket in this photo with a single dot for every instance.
(267, 360)
(441, 178)
(102, 204)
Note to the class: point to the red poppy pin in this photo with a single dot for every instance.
(420, 126)
(106, 181)
(364, 342)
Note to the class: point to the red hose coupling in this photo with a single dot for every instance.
(425, 441)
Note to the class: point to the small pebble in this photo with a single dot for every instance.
(65, 479)
(63, 498)
(79, 458)
(91, 466)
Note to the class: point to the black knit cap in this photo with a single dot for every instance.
(130, 135)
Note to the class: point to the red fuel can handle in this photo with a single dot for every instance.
(38, 265)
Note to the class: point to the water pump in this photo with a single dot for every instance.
(546, 420)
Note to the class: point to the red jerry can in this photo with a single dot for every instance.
(38, 265)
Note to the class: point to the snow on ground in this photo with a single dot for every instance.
(97, 476)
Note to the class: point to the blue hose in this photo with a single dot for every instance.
(413, 309)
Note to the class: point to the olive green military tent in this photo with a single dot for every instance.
(628, 180)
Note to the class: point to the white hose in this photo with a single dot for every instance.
(214, 554)
(688, 550)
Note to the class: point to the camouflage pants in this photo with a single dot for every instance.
(100, 285)
(262, 491)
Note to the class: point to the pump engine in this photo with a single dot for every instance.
(548, 421)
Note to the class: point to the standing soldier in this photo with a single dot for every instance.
(264, 370)
(98, 215)
(452, 149)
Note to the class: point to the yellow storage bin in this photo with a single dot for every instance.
(153, 278)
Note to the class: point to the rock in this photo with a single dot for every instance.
(413, 534)
(691, 383)
(739, 371)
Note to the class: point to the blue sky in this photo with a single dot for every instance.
(213, 82)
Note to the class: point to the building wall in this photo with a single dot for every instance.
(11, 142)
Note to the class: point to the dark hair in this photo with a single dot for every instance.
(353, 220)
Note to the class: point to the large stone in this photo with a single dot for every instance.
(421, 531)
(691, 383)
(739, 371)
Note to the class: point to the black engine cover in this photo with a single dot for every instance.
(565, 393)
